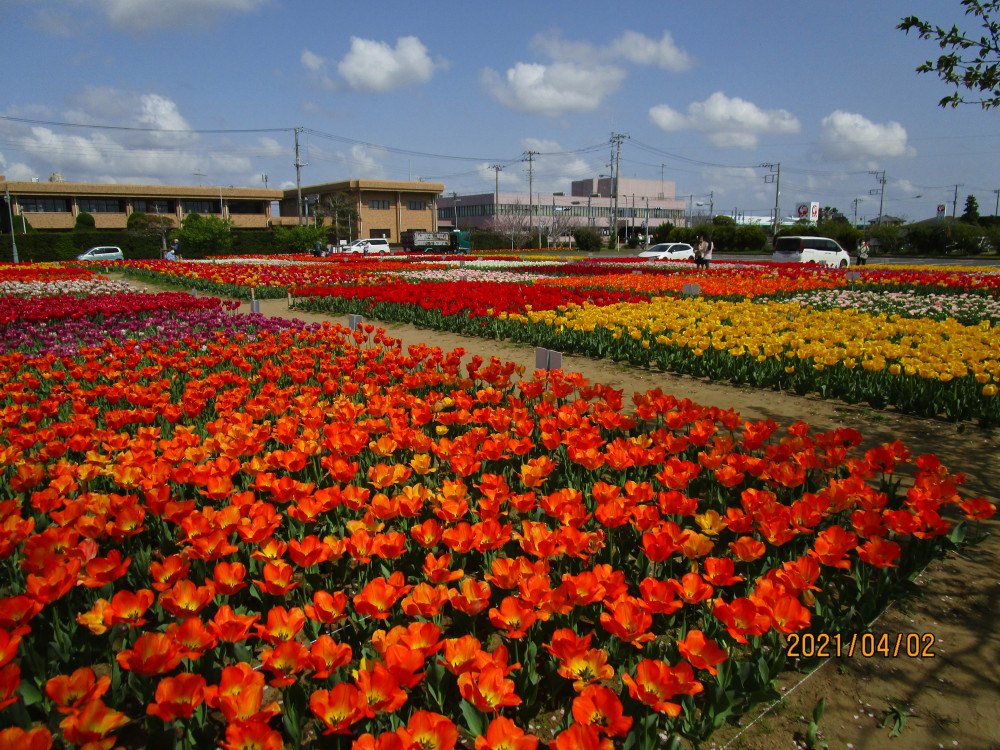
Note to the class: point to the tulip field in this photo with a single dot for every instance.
(225, 530)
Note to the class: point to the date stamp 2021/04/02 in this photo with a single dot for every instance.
(867, 645)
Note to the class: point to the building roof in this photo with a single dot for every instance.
(395, 186)
(116, 189)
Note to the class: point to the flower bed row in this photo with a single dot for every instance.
(299, 536)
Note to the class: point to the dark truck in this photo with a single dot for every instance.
(413, 241)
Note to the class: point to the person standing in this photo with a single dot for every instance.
(864, 250)
(699, 251)
(706, 255)
(173, 251)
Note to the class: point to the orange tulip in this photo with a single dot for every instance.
(92, 723)
(327, 608)
(513, 616)
(379, 690)
(281, 624)
(230, 627)
(581, 737)
(656, 682)
(338, 708)
(628, 622)
(701, 652)
(185, 599)
(239, 695)
(488, 690)
(460, 653)
(71, 692)
(284, 661)
(431, 731)
(328, 655)
(504, 734)
(177, 697)
(471, 596)
(601, 708)
(192, 634)
(15, 738)
(379, 596)
(425, 600)
(153, 653)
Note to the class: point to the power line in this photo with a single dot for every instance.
(141, 130)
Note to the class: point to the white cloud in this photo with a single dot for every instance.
(375, 66)
(631, 46)
(850, 137)
(555, 89)
(726, 122)
(159, 148)
(151, 15)
(642, 50)
(317, 67)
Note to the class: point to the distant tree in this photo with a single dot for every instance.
(342, 212)
(886, 239)
(514, 225)
(972, 63)
(298, 239)
(749, 238)
(205, 235)
(828, 213)
(84, 222)
(587, 240)
(150, 225)
(971, 213)
(662, 233)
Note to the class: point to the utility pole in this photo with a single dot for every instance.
(531, 205)
(880, 191)
(775, 177)
(996, 211)
(10, 218)
(616, 139)
(298, 174)
(498, 168)
(954, 202)
(855, 203)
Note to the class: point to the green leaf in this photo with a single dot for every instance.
(30, 693)
(474, 721)
(819, 709)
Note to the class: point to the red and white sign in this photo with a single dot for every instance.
(940, 211)
(808, 211)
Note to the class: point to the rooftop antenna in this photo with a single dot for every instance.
(263, 179)
(199, 175)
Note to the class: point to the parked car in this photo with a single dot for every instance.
(102, 252)
(370, 245)
(815, 250)
(669, 251)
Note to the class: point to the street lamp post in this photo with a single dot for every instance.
(10, 218)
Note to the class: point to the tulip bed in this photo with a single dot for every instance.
(261, 537)
(923, 341)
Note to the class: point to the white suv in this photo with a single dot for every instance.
(371, 245)
(814, 250)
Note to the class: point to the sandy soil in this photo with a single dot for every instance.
(950, 700)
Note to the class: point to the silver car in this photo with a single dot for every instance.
(102, 252)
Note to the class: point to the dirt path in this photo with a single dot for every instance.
(948, 700)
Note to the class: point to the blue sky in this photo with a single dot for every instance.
(706, 92)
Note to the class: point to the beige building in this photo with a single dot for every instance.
(55, 205)
(386, 207)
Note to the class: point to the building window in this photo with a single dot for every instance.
(152, 206)
(416, 205)
(378, 205)
(245, 207)
(379, 233)
(45, 205)
(199, 207)
(101, 205)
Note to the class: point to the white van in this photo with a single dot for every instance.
(369, 246)
(820, 251)
(105, 252)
